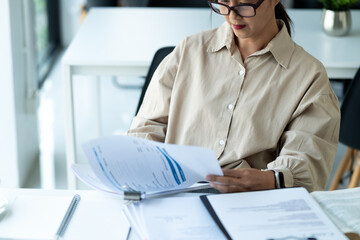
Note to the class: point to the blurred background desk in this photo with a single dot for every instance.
(122, 42)
(340, 55)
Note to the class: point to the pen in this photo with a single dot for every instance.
(128, 234)
(69, 213)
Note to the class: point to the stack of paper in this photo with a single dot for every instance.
(343, 208)
(172, 218)
(273, 214)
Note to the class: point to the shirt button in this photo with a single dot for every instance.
(242, 72)
(222, 142)
(230, 107)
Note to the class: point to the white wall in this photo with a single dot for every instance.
(19, 145)
(8, 165)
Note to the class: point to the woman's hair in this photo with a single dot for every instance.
(280, 13)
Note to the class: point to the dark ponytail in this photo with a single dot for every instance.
(280, 13)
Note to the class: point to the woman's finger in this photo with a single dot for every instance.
(228, 188)
(225, 180)
(233, 172)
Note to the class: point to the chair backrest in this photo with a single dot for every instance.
(307, 4)
(158, 57)
(175, 3)
(101, 3)
(350, 115)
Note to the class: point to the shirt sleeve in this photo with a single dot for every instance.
(152, 118)
(308, 145)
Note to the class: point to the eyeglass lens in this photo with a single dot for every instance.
(244, 11)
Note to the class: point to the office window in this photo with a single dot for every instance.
(47, 35)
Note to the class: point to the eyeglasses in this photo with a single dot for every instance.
(242, 9)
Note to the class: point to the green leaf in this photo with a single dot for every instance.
(338, 5)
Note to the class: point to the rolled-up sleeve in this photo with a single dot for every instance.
(308, 145)
(152, 118)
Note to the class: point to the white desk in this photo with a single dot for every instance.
(37, 213)
(122, 41)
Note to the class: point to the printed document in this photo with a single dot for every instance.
(343, 207)
(289, 213)
(282, 214)
(180, 218)
(120, 164)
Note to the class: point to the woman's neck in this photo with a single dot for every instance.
(248, 46)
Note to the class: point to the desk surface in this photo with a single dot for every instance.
(38, 214)
(130, 36)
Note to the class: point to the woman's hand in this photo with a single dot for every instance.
(242, 180)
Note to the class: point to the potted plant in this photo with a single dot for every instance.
(336, 17)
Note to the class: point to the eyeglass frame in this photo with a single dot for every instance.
(254, 6)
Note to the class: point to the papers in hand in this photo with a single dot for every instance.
(120, 164)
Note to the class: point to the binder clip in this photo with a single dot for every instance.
(132, 196)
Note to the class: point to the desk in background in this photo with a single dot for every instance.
(122, 42)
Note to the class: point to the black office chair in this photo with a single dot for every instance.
(100, 3)
(307, 4)
(174, 3)
(158, 57)
(350, 135)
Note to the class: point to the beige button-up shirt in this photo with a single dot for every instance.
(275, 110)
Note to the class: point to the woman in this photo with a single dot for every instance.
(248, 92)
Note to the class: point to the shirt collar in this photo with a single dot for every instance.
(281, 46)
(223, 37)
